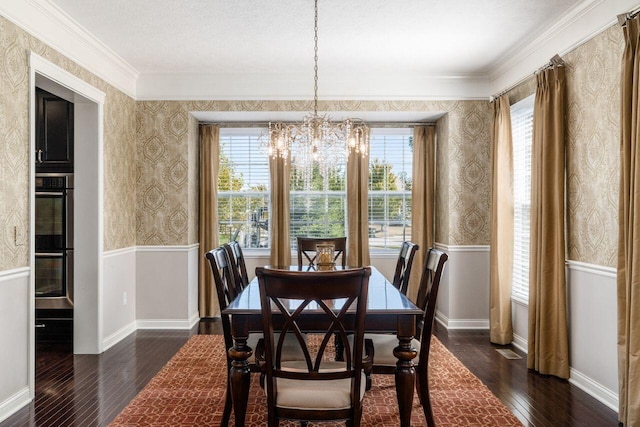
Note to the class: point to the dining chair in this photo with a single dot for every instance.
(226, 292)
(403, 266)
(384, 362)
(307, 249)
(238, 266)
(316, 388)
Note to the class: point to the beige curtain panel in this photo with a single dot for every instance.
(279, 172)
(208, 225)
(357, 214)
(422, 200)
(629, 232)
(548, 343)
(501, 253)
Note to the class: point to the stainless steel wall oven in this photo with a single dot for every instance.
(54, 239)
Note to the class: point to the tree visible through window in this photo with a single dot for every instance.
(390, 173)
(243, 189)
(318, 205)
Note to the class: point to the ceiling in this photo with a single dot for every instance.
(369, 50)
(436, 38)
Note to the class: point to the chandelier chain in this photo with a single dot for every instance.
(317, 145)
(315, 61)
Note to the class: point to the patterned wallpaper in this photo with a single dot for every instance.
(593, 158)
(167, 214)
(119, 166)
(593, 142)
(469, 173)
(151, 155)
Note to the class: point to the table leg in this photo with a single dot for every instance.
(405, 375)
(240, 377)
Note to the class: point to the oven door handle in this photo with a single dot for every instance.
(49, 193)
(50, 254)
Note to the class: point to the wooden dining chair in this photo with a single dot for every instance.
(403, 266)
(238, 266)
(315, 389)
(226, 291)
(307, 255)
(384, 362)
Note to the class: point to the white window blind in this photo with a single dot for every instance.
(522, 130)
(243, 188)
(390, 178)
(318, 207)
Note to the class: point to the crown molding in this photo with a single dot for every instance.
(579, 25)
(52, 26)
(189, 87)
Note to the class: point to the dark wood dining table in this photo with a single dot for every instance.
(388, 310)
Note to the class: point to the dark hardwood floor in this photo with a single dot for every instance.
(90, 390)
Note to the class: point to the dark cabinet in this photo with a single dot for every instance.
(54, 133)
(54, 325)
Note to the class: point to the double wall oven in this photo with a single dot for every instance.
(54, 240)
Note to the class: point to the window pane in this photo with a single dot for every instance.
(318, 201)
(522, 130)
(390, 173)
(243, 189)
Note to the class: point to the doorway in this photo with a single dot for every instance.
(88, 194)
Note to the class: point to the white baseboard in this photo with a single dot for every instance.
(168, 323)
(461, 323)
(594, 389)
(118, 336)
(14, 403)
(520, 343)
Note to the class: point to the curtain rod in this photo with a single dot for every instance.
(624, 17)
(556, 61)
(263, 124)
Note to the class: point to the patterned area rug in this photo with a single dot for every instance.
(189, 391)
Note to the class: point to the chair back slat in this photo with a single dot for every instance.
(225, 287)
(427, 298)
(403, 266)
(307, 249)
(238, 266)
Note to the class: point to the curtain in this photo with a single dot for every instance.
(501, 254)
(208, 225)
(422, 201)
(548, 343)
(279, 173)
(357, 212)
(629, 232)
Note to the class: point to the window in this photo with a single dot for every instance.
(390, 174)
(522, 130)
(318, 205)
(243, 188)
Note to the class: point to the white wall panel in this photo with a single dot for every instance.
(463, 299)
(119, 295)
(164, 286)
(593, 354)
(15, 335)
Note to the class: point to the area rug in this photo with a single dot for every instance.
(189, 391)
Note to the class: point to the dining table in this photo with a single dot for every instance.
(388, 311)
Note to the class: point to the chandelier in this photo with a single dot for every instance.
(317, 141)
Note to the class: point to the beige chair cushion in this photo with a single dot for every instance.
(290, 351)
(316, 394)
(383, 345)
